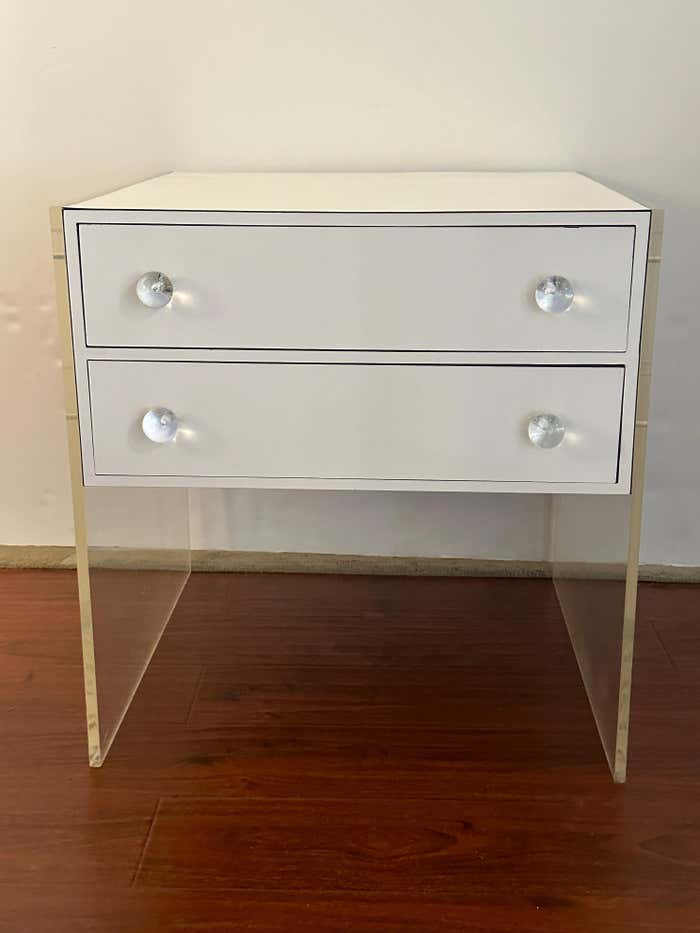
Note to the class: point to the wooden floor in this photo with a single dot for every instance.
(348, 753)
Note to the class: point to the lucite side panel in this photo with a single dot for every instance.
(594, 554)
(138, 561)
(132, 556)
(590, 540)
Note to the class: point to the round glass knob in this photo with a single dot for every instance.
(546, 431)
(554, 294)
(154, 290)
(159, 425)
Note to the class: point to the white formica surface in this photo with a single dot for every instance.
(395, 192)
(358, 331)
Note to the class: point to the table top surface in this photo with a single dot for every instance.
(367, 192)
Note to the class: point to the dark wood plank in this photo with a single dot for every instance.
(47, 909)
(391, 698)
(69, 835)
(419, 848)
(271, 619)
(673, 614)
(680, 640)
(676, 602)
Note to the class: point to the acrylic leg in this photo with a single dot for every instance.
(594, 566)
(595, 563)
(133, 562)
(133, 559)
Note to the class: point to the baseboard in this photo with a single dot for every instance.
(46, 557)
(210, 561)
(378, 565)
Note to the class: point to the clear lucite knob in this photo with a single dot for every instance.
(546, 431)
(554, 294)
(159, 425)
(154, 289)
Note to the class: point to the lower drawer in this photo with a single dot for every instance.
(423, 423)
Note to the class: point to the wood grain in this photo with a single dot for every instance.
(328, 753)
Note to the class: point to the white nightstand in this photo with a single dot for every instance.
(472, 332)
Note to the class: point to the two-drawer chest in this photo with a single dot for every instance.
(470, 332)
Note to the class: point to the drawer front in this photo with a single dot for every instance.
(364, 288)
(383, 422)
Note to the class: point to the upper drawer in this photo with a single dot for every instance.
(357, 288)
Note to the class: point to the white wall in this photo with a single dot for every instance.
(96, 96)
